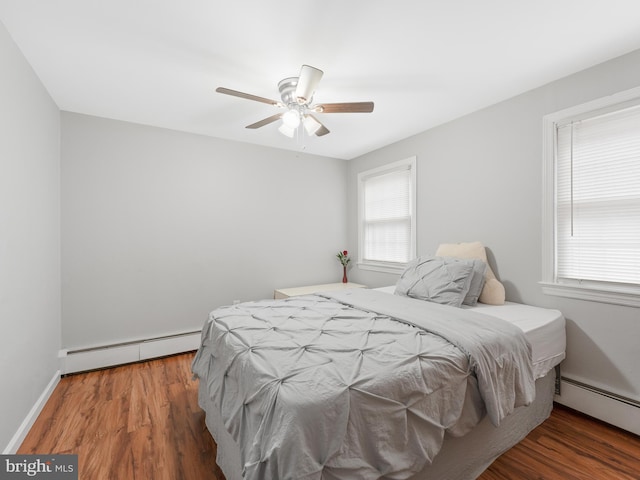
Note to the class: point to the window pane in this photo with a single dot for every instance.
(387, 196)
(386, 213)
(387, 241)
(598, 198)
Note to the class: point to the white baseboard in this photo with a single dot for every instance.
(81, 360)
(601, 405)
(31, 417)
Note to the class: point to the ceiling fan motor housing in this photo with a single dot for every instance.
(287, 88)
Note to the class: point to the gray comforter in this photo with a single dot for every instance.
(356, 385)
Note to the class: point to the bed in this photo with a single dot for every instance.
(368, 384)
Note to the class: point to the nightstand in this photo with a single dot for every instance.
(295, 291)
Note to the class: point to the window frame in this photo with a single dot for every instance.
(382, 266)
(604, 292)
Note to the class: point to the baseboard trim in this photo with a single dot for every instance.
(606, 406)
(31, 417)
(92, 358)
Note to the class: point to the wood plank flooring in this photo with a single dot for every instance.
(142, 422)
(570, 446)
(139, 421)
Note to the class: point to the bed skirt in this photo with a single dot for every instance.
(463, 458)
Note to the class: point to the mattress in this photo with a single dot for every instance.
(544, 329)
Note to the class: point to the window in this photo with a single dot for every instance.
(386, 216)
(592, 201)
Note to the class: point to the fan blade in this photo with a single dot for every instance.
(353, 107)
(248, 96)
(322, 131)
(307, 82)
(265, 121)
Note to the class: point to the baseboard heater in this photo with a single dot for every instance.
(614, 396)
(95, 357)
(610, 407)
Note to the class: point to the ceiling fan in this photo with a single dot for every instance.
(297, 94)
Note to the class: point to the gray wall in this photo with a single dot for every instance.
(480, 178)
(159, 227)
(29, 237)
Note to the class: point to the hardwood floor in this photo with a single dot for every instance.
(142, 422)
(570, 446)
(139, 421)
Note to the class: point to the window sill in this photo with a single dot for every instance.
(629, 298)
(383, 267)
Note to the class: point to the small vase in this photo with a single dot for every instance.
(344, 275)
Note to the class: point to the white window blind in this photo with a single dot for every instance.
(387, 199)
(598, 198)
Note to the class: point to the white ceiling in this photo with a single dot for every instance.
(423, 62)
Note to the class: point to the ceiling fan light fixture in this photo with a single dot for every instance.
(291, 119)
(311, 125)
(286, 130)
